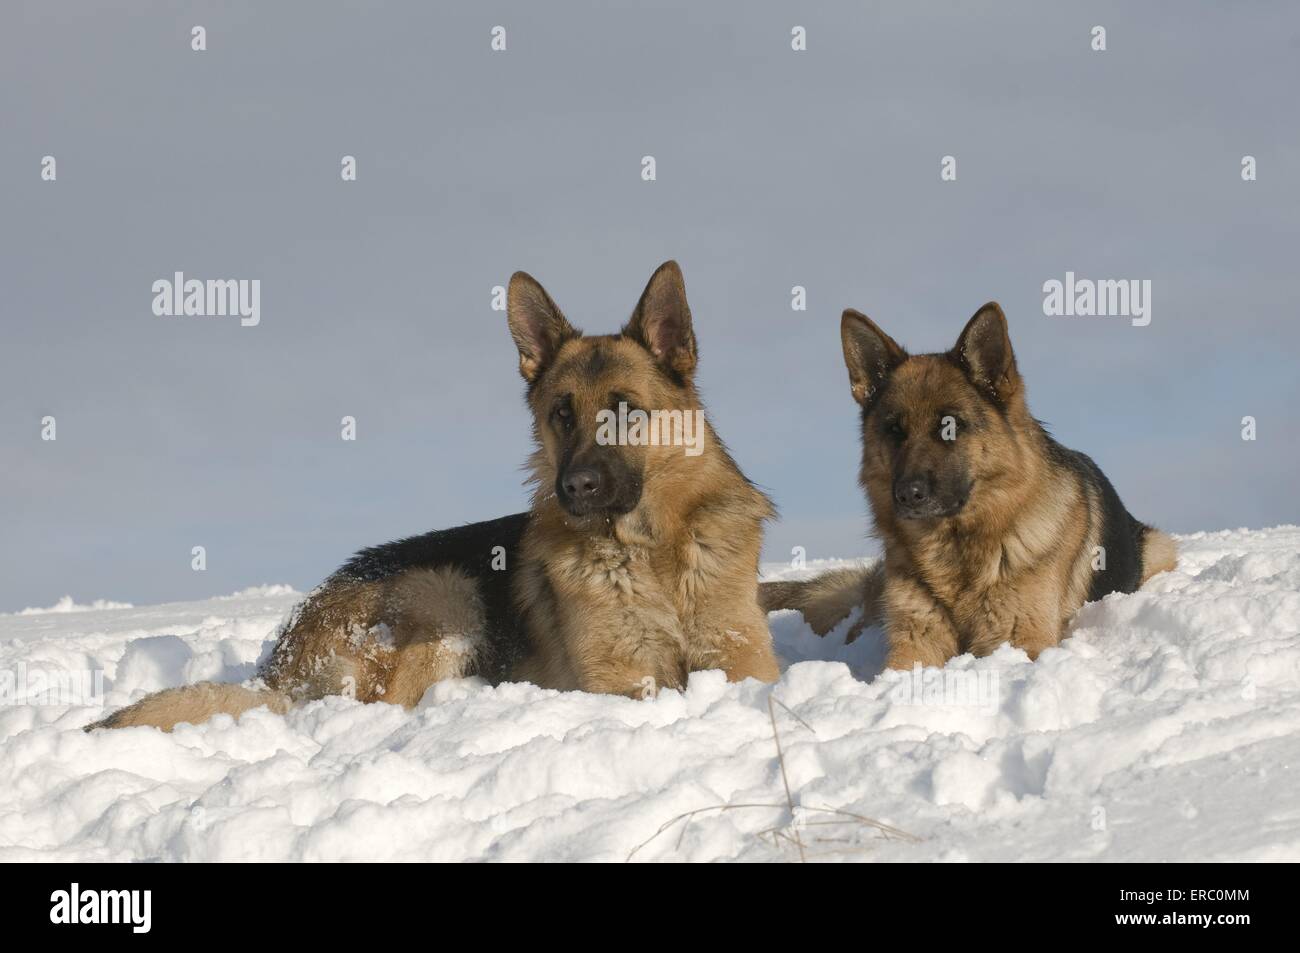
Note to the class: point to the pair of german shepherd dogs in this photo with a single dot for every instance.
(637, 563)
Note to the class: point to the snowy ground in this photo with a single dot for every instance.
(1166, 728)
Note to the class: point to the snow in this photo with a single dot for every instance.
(1166, 728)
(67, 605)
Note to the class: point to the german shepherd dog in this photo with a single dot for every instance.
(993, 532)
(637, 563)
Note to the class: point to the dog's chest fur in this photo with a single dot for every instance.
(1009, 570)
(633, 571)
(661, 591)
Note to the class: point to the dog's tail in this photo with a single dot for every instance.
(826, 600)
(1159, 553)
(194, 704)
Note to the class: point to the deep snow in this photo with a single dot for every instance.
(1166, 728)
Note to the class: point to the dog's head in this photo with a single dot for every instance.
(938, 430)
(580, 388)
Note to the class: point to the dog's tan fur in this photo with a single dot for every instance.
(1016, 562)
(659, 592)
(828, 599)
(624, 604)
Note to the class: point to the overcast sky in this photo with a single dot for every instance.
(775, 168)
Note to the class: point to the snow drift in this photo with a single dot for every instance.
(1166, 728)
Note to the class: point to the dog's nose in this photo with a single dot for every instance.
(912, 491)
(582, 483)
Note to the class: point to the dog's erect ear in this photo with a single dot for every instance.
(984, 352)
(536, 324)
(869, 353)
(661, 322)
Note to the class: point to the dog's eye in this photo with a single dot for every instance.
(563, 414)
(895, 430)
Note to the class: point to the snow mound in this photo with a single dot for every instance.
(67, 605)
(1166, 728)
(275, 589)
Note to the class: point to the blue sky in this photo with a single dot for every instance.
(774, 169)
